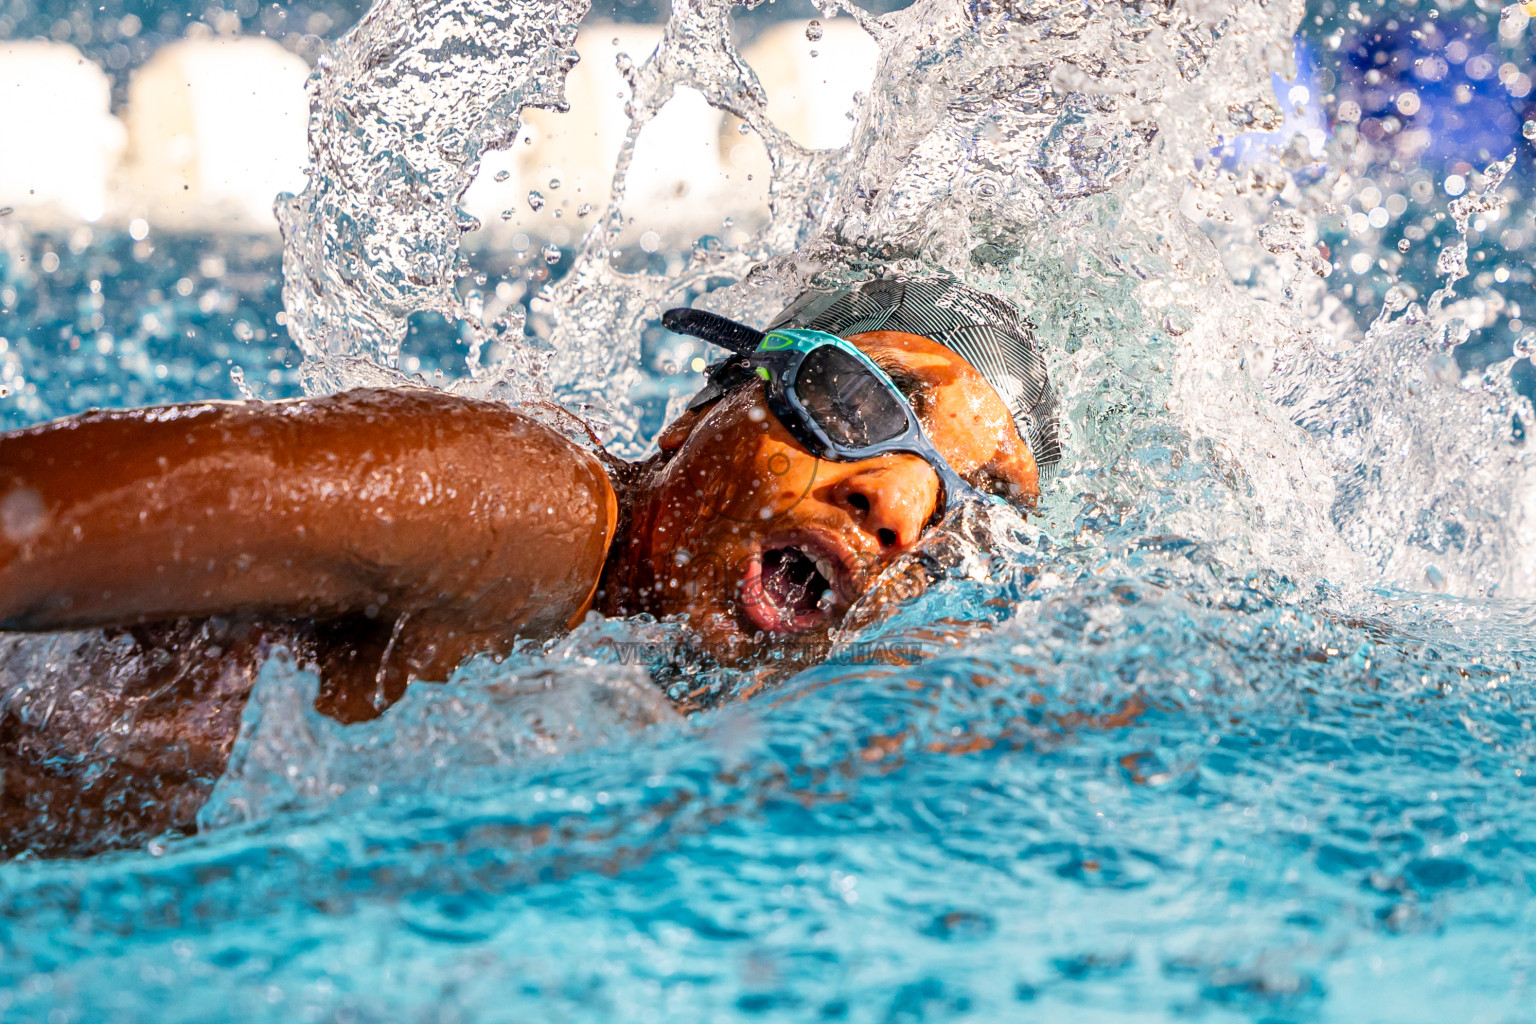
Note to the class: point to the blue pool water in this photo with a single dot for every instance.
(1171, 757)
(1134, 797)
(1156, 792)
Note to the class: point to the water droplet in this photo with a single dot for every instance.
(551, 252)
(815, 53)
(503, 175)
(1403, 245)
(554, 183)
(744, 128)
(507, 215)
(237, 378)
(813, 31)
(23, 515)
(1528, 129)
(1525, 345)
(536, 199)
(583, 209)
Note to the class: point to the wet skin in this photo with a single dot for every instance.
(455, 525)
(383, 536)
(733, 489)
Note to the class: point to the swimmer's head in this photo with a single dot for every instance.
(741, 527)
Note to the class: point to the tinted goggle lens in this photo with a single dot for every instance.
(853, 406)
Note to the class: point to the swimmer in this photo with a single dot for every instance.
(383, 536)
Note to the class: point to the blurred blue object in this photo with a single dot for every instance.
(1301, 105)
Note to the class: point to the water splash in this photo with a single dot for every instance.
(1452, 262)
(1052, 154)
(1045, 154)
(401, 111)
(1435, 484)
(485, 717)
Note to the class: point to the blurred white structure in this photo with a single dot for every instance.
(59, 143)
(692, 167)
(216, 128)
(811, 84)
(677, 181)
(811, 98)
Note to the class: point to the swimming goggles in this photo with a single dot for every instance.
(827, 393)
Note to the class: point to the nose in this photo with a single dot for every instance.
(892, 498)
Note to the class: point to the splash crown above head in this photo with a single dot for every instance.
(982, 329)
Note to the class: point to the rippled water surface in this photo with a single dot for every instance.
(1240, 726)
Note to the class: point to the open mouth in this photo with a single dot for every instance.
(789, 589)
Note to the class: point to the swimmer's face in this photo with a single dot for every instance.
(752, 536)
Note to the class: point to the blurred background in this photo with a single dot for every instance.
(141, 147)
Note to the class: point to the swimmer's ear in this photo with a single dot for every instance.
(675, 433)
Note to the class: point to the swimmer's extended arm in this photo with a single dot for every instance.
(465, 517)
